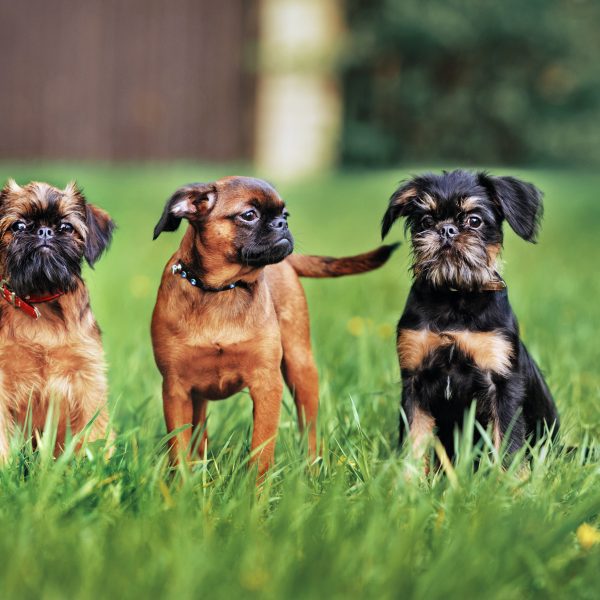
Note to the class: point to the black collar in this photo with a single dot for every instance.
(184, 272)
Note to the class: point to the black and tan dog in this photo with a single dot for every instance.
(231, 313)
(458, 338)
(50, 347)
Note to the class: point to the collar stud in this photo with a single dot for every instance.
(184, 272)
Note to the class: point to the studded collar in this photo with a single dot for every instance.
(183, 271)
(25, 304)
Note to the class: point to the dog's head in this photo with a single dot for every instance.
(455, 220)
(238, 218)
(45, 233)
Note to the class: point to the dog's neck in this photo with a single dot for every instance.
(69, 311)
(216, 271)
(493, 285)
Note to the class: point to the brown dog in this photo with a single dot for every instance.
(231, 312)
(50, 348)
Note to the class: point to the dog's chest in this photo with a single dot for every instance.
(217, 366)
(424, 349)
(34, 373)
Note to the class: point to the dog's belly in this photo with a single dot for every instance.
(225, 386)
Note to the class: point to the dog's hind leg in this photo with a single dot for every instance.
(298, 365)
(302, 379)
(539, 408)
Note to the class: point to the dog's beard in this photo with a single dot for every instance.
(33, 268)
(260, 255)
(463, 264)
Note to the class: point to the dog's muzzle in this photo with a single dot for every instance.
(267, 255)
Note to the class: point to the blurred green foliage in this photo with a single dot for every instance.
(511, 82)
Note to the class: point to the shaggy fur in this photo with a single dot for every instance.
(458, 339)
(45, 233)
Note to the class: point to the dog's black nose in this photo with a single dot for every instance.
(278, 223)
(448, 231)
(45, 232)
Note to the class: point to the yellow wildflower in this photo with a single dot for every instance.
(385, 330)
(587, 536)
(356, 326)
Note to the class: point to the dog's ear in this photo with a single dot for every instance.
(398, 206)
(100, 229)
(98, 223)
(520, 203)
(11, 186)
(193, 201)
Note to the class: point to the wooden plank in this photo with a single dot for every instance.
(141, 79)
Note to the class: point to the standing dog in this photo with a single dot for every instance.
(458, 338)
(231, 312)
(50, 348)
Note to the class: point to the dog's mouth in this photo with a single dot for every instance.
(461, 265)
(260, 256)
(42, 268)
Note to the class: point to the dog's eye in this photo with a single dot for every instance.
(66, 228)
(249, 216)
(474, 221)
(19, 226)
(427, 222)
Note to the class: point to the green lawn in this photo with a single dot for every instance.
(360, 523)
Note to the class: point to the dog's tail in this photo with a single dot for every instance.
(327, 266)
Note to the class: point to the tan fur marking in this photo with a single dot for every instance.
(493, 252)
(415, 344)
(404, 197)
(496, 435)
(421, 431)
(470, 203)
(427, 202)
(490, 351)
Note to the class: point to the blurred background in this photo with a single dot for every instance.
(298, 86)
(332, 101)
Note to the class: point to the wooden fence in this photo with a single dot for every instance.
(126, 79)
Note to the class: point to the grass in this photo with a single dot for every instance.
(361, 522)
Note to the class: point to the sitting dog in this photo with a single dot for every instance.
(50, 348)
(458, 338)
(231, 313)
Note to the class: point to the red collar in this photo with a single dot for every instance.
(26, 304)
